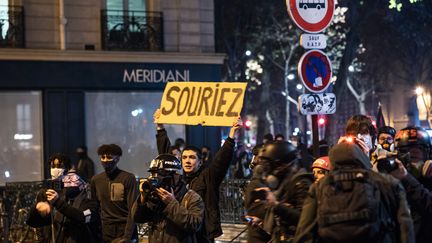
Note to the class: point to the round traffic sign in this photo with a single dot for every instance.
(315, 71)
(312, 16)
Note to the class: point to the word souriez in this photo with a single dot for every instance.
(197, 101)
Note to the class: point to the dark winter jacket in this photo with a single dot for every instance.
(74, 221)
(177, 222)
(206, 182)
(420, 200)
(392, 198)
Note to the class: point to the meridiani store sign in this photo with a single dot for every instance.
(102, 75)
(155, 75)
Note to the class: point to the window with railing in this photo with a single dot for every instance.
(132, 30)
(11, 26)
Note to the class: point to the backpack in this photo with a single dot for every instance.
(350, 207)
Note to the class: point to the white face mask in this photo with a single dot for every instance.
(56, 173)
(367, 139)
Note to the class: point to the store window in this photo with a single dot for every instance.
(21, 137)
(125, 119)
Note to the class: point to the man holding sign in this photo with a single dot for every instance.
(206, 181)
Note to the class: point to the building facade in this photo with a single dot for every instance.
(93, 72)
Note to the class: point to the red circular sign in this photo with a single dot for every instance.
(312, 16)
(315, 71)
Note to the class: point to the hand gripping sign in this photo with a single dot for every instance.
(205, 103)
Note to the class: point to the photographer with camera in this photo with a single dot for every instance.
(63, 213)
(415, 175)
(173, 212)
(385, 145)
(205, 181)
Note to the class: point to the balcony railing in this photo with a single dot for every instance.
(132, 30)
(12, 26)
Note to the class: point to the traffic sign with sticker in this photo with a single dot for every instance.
(315, 71)
(317, 104)
(312, 16)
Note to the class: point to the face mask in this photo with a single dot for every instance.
(72, 192)
(367, 139)
(204, 154)
(56, 173)
(109, 166)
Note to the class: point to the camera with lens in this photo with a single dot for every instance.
(148, 186)
(56, 185)
(388, 164)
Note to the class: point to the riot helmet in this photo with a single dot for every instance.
(413, 136)
(279, 152)
(167, 163)
(277, 160)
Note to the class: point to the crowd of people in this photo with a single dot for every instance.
(372, 186)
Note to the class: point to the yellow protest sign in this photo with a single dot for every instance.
(205, 103)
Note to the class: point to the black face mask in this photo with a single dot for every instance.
(82, 155)
(72, 192)
(109, 166)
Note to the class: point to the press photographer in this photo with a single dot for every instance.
(415, 177)
(174, 213)
(386, 161)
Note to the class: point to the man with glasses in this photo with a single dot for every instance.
(115, 190)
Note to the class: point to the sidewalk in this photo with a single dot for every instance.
(230, 231)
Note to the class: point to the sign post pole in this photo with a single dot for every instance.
(315, 67)
(315, 136)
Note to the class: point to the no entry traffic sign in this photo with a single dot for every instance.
(315, 71)
(312, 16)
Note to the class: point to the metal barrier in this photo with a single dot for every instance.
(16, 201)
(231, 200)
(132, 30)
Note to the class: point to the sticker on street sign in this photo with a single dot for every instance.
(317, 104)
(315, 71)
(312, 16)
(313, 41)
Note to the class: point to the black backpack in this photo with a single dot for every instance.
(350, 207)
